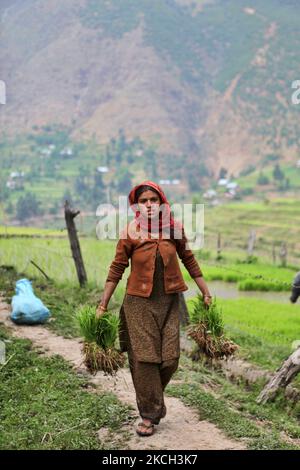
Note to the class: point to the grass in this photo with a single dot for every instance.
(62, 299)
(271, 220)
(53, 255)
(232, 407)
(30, 232)
(264, 330)
(45, 405)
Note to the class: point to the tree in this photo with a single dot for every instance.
(67, 196)
(278, 173)
(98, 190)
(222, 173)
(28, 206)
(124, 181)
(262, 179)
(9, 209)
(4, 191)
(150, 163)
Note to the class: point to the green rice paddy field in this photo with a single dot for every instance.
(265, 331)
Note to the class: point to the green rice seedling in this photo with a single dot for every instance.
(261, 285)
(207, 330)
(212, 316)
(100, 335)
(87, 323)
(107, 330)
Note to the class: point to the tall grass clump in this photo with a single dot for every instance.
(100, 336)
(207, 330)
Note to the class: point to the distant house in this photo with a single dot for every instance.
(232, 185)
(231, 193)
(15, 180)
(249, 11)
(169, 182)
(102, 169)
(298, 164)
(16, 174)
(66, 152)
(48, 150)
(11, 184)
(164, 182)
(223, 182)
(210, 194)
(139, 153)
(215, 202)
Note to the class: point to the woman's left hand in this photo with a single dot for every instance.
(207, 300)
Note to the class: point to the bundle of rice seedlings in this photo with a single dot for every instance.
(207, 330)
(100, 335)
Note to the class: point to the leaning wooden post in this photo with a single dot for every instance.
(70, 215)
(284, 375)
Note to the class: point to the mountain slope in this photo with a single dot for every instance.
(211, 80)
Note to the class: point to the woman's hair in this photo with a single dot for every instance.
(142, 189)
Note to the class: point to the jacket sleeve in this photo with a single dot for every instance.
(187, 256)
(121, 260)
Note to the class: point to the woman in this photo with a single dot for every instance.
(150, 310)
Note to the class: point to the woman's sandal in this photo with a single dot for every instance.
(148, 426)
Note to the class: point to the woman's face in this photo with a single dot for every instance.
(149, 203)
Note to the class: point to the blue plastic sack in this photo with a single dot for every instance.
(26, 307)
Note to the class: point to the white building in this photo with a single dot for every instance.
(66, 151)
(210, 194)
(102, 169)
(223, 182)
(232, 185)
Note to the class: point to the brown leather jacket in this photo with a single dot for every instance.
(142, 253)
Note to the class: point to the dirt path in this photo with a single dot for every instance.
(181, 429)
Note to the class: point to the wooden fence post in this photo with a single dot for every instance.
(251, 242)
(283, 254)
(273, 253)
(70, 215)
(219, 253)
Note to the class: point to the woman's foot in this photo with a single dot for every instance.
(145, 428)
